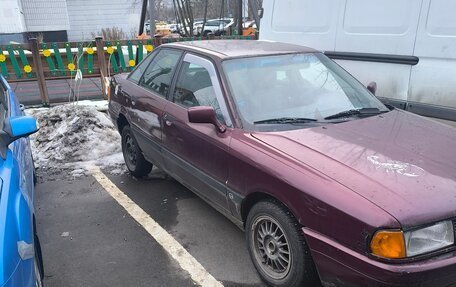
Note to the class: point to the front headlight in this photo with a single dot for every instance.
(429, 239)
(394, 244)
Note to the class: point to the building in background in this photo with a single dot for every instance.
(66, 20)
(12, 23)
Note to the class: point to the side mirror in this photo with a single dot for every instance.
(16, 128)
(372, 87)
(205, 115)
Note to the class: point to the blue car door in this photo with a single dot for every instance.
(16, 203)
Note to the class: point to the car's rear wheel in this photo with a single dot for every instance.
(134, 159)
(278, 248)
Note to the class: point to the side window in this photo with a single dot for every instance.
(135, 76)
(194, 88)
(158, 75)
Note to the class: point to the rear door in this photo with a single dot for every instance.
(197, 154)
(148, 101)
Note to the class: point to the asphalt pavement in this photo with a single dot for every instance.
(88, 239)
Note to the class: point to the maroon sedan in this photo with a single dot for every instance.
(330, 185)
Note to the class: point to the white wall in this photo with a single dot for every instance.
(11, 19)
(45, 15)
(89, 16)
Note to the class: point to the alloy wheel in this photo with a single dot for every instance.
(271, 248)
(131, 150)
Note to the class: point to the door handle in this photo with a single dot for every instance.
(167, 121)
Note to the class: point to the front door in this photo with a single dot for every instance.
(197, 154)
(148, 101)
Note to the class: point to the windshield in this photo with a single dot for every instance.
(309, 87)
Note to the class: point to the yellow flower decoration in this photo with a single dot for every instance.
(71, 67)
(27, 69)
(110, 50)
(90, 50)
(149, 48)
(132, 63)
(2, 58)
(47, 53)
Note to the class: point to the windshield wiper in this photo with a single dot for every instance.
(354, 112)
(286, 121)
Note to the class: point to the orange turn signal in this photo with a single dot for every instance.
(388, 244)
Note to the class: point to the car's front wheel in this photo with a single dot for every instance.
(134, 159)
(38, 278)
(38, 264)
(278, 248)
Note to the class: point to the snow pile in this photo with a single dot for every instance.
(73, 137)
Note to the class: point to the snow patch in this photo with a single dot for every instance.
(72, 137)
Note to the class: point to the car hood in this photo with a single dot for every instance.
(399, 161)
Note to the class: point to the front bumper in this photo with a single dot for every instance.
(340, 266)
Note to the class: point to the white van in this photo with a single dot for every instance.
(408, 47)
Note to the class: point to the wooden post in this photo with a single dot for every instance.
(102, 64)
(39, 71)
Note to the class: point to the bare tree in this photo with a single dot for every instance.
(185, 15)
(186, 11)
(205, 17)
(181, 15)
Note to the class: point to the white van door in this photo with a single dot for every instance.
(311, 23)
(433, 84)
(383, 32)
(372, 39)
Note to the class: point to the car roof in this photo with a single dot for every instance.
(240, 48)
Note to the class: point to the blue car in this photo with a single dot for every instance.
(20, 253)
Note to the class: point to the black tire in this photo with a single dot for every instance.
(133, 156)
(35, 178)
(39, 267)
(272, 232)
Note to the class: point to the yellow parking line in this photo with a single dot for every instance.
(186, 261)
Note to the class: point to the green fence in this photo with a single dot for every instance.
(63, 60)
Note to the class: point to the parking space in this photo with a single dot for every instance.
(88, 239)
